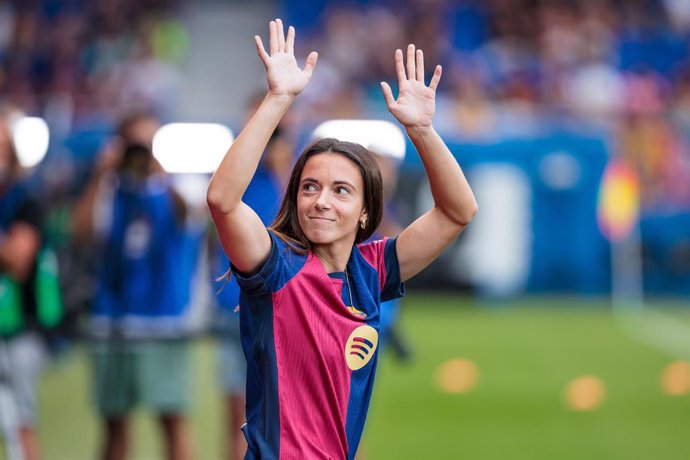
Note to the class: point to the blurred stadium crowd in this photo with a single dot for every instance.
(67, 59)
(513, 68)
(520, 68)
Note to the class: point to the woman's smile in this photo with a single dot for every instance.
(321, 219)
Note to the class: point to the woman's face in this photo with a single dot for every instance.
(330, 199)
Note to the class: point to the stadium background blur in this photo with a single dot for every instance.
(536, 98)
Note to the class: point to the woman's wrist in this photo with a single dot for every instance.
(280, 99)
(419, 132)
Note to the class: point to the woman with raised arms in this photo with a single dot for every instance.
(311, 289)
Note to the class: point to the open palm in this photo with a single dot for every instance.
(416, 102)
(284, 76)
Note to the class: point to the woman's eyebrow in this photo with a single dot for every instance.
(337, 182)
(344, 182)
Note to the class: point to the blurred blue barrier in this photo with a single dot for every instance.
(546, 238)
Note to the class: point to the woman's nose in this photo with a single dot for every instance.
(322, 201)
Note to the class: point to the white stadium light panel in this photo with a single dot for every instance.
(191, 148)
(31, 137)
(378, 136)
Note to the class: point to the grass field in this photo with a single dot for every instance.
(525, 352)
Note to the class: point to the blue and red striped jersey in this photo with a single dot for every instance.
(311, 354)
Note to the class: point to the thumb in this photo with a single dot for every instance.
(311, 62)
(260, 50)
(387, 94)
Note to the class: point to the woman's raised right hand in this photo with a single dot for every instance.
(284, 76)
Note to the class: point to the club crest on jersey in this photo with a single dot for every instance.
(360, 347)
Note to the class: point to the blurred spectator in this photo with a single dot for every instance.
(647, 139)
(142, 77)
(22, 349)
(390, 33)
(679, 15)
(467, 112)
(75, 57)
(149, 249)
(6, 26)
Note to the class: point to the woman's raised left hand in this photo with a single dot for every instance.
(416, 102)
(284, 76)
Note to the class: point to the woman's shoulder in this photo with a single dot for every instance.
(373, 247)
(377, 253)
(284, 262)
(287, 245)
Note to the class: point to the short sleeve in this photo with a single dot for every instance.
(393, 287)
(272, 275)
(383, 256)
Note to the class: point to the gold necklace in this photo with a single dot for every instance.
(351, 307)
(349, 291)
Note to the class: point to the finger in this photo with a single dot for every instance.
(290, 42)
(281, 35)
(272, 38)
(311, 62)
(260, 49)
(436, 78)
(387, 94)
(399, 66)
(410, 62)
(420, 66)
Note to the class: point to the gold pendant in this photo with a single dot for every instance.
(357, 313)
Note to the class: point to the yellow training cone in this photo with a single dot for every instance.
(457, 376)
(585, 393)
(676, 378)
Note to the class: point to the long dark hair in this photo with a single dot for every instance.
(286, 224)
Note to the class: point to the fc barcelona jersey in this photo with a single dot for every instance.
(311, 343)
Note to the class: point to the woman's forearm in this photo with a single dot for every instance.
(237, 168)
(449, 187)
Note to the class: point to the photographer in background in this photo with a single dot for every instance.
(147, 253)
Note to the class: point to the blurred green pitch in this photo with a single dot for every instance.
(526, 353)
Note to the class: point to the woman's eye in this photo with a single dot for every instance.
(309, 187)
(342, 191)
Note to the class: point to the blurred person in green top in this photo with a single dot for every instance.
(22, 349)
